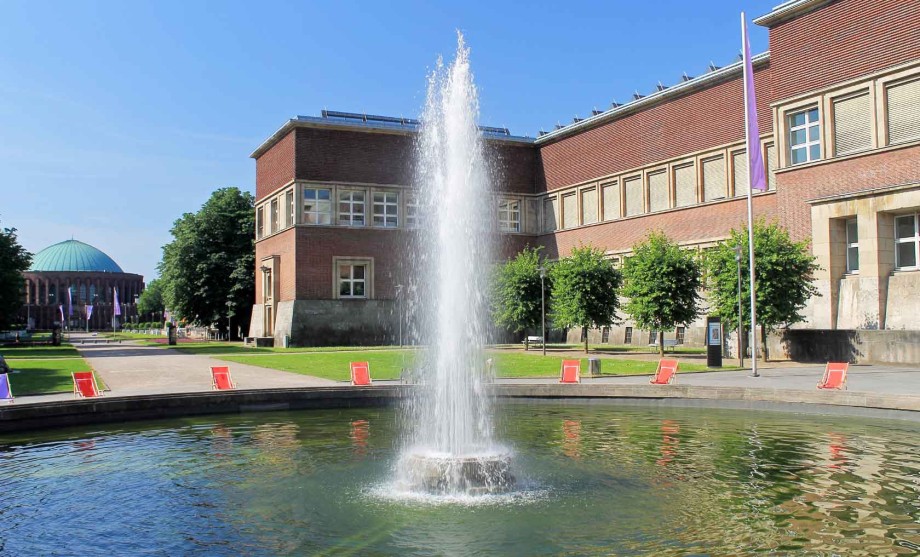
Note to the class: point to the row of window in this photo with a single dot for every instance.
(906, 240)
(708, 177)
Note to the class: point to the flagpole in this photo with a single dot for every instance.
(750, 200)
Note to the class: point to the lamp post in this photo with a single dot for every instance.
(399, 289)
(543, 305)
(740, 313)
(229, 306)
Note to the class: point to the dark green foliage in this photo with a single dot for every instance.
(784, 274)
(584, 290)
(151, 299)
(662, 283)
(517, 293)
(211, 260)
(14, 260)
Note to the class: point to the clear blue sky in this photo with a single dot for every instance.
(117, 117)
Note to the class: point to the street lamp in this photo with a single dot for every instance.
(543, 304)
(399, 289)
(737, 250)
(229, 306)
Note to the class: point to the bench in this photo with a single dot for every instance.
(669, 343)
(533, 340)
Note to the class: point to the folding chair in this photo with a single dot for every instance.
(84, 385)
(220, 379)
(571, 371)
(667, 370)
(360, 374)
(6, 392)
(835, 376)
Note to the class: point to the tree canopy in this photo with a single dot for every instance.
(211, 260)
(14, 260)
(151, 299)
(783, 273)
(584, 290)
(517, 293)
(662, 283)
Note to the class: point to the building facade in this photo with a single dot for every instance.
(92, 278)
(838, 104)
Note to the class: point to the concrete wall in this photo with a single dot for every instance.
(854, 346)
(337, 322)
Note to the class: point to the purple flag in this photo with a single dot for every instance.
(755, 157)
(69, 302)
(89, 312)
(61, 307)
(117, 306)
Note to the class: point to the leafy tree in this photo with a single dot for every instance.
(151, 299)
(14, 259)
(584, 290)
(211, 260)
(784, 274)
(662, 283)
(517, 294)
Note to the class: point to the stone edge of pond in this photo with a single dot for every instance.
(66, 413)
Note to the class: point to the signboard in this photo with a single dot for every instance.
(715, 333)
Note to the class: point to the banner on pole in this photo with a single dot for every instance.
(755, 155)
(117, 305)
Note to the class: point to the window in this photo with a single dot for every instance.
(713, 178)
(351, 208)
(635, 204)
(589, 205)
(685, 185)
(653, 337)
(317, 206)
(770, 162)
(740, 173)
(550, 208)
(509, 215)
(903, 101)
(352, 280)
(852, 124)
(289, 204)
(804, 136)
(274, 215)
(907, 241)
(852, 247)
(611, 195)
(413, 215)
(260, 226)
(627, 339)
(681, 334)
(605, 335)
(386, 209)
(569, 211)
(658, 195)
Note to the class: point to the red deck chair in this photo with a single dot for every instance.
(665, 373)
(571, 371)
(220, 379)
(6, 392)
(360, 374)
(835, 376)
(84, 385)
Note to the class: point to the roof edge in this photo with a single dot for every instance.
(788, 10)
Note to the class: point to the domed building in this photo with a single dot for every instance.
(90, 275)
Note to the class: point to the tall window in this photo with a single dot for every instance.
(907, 241)
(386, 209)
(681, 334)
(852, 247)
(260, 224)
(274, 215)
(352, 280)
(317, 206)
(509, 215)
(351, 208)
(289, 204)
(627, 339)
(413, 215)
(804, 136)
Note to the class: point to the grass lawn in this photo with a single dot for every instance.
(39, 352)
(388, 364)
(42, 377)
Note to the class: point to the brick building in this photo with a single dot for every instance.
(839, 112)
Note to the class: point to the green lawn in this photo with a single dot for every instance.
(388, 364)
(42, 377)
(40, 352)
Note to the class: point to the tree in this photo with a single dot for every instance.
(584, 290)
(784, 274)
(662, 283)
(211, 260)
(14, 260)
(517, 293)
(151, 299)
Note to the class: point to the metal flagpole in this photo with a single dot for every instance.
(750, 197)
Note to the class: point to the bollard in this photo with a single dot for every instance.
(594, 366)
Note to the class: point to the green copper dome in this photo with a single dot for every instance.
(72, 255)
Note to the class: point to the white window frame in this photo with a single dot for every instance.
(351, 263)
(915, 240)
(355, 203)
(509, 215)
(274, 215)
(316, 213)
(806, 127)
(382, 201)
(851, 243)
(260, 222)
(413, 209)
(289, 206)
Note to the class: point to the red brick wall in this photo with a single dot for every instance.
(275, 167)
(514, 166)
(693, 122)
(692, 224)
(795, 187)
(840, 41)
(282, 245)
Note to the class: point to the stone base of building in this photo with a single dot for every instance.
(900, 347)
(330, 323)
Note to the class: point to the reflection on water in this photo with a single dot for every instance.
(609, 481)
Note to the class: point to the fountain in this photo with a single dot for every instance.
(451, 450)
